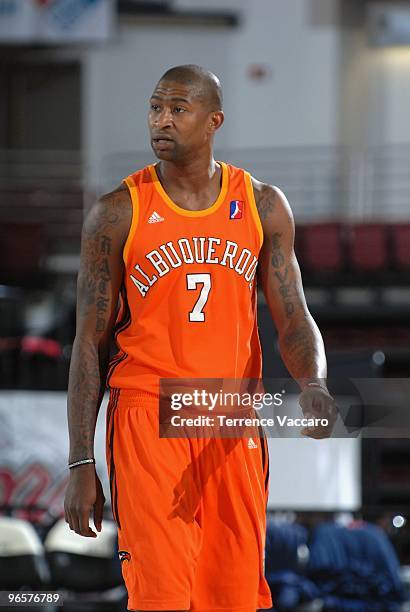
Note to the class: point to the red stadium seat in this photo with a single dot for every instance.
(323, 247)
(369, 246)
(401, 245)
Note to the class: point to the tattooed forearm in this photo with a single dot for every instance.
(83, 385)
(300, 341)
(85, 390)
(302, 351)
(98, 285)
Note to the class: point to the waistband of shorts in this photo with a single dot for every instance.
(135, 397)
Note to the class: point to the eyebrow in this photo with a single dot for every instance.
(174, 99)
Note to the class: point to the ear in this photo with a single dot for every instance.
(216, 120)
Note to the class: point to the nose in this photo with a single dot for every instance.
(163, 119)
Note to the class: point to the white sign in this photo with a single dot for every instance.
(34, 452)
(305, 474)
(55, 21)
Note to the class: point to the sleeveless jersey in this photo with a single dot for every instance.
(188, 297)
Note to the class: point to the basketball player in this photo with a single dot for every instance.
(177, 245)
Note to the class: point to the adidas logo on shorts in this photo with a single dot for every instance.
(155, 218)
(251, 443)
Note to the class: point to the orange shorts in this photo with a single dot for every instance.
(191, 513)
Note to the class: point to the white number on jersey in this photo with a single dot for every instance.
(193, 280)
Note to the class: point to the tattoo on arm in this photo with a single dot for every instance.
(102, 289)
(287, 288)
(301, 345)
(265, 202)
(89, 362)
(299, 348)
(84, 390)
(300, 341)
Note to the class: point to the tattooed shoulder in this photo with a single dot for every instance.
(265, 198)
(112, 212)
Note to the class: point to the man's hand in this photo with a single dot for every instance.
(316, 402)
(84, 494)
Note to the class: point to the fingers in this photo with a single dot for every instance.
(83, 520)
(319, 432)
(316, 433)
(318, 404)
(78, 521)
(323, 410)
(98, 511)
(84, 489)
(68, 518)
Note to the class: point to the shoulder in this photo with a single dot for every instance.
(272, 204)
(118, 200)
(111, 213)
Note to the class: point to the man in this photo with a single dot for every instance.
(178, 245)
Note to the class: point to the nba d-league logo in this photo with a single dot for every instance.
(236, 209)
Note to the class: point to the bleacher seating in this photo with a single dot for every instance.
(88, 568)
(22, 560)
(351, 253)
(83, 564)
(322, 247)
(400, 234)
(368, 247)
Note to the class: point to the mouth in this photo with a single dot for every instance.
(162, 143)
(162, 139)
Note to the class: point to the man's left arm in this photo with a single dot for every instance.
(300, 341)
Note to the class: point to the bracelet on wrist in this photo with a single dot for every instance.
(317, 384)
(80, 462)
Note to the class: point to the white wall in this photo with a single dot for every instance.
(375, 98)
(307, 474)
(396, 68)
(298, 104)
(375, 91)
(120, 78)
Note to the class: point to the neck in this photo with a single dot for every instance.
(194, 174)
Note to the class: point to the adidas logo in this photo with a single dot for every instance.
(155, 218)
(251, 443)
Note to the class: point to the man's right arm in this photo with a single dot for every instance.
(101, 273)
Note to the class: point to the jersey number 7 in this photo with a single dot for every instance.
(193, 280)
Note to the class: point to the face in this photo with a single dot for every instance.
(180, 123)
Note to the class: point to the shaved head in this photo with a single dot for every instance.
(205, 84)
(185, 112)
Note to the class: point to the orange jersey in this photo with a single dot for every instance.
(188, 298)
